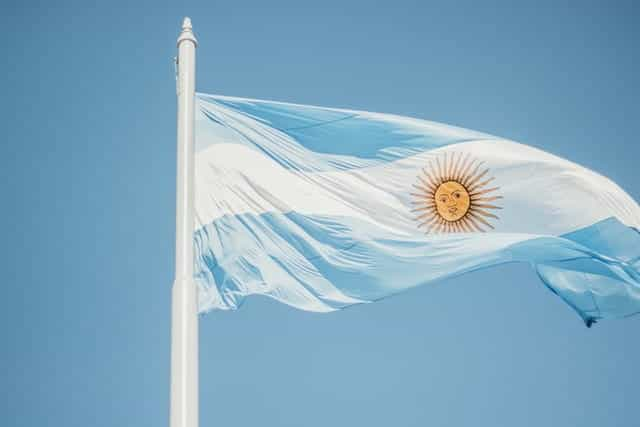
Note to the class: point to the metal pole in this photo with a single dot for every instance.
(184, 311)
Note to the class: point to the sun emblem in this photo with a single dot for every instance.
(453, 195)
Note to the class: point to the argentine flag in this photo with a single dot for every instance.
(323, 208)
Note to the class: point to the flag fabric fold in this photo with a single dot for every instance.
(323, 208)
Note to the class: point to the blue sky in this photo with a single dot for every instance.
(88, 160)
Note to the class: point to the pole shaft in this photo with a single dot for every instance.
(184, 311)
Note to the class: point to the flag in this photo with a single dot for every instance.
(323, 208)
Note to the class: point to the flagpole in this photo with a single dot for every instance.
(184, 311)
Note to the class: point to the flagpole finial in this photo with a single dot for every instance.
(187, 32)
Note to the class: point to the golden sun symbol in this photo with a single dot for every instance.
(453, 196)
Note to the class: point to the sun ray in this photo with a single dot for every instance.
(474, 224)
(428, 184)
(425, 215)
(434, 227)
(486, 205)
(439, 172)
(432, 188)
(420, 208)
(468, 165)
(424, 208)
(472, 174)
(421, 188)
(439, 227)
(424, 201)
(458, 170)
(483, 213)
(420, 214)
(454, 164)
(445, 167)
(424, 218)
(425, 171)
(452, 169)
(431, 224)
(433, 220)
(423, 224)
(452, 159)
(450, 166)
(477, 217)
(476, 178)
(458, 167)
(442, 162)
(455, 158)
(477, 185)
(464, 223)
(488, 190)
(485, 199)
(428, 222)
(429, 178)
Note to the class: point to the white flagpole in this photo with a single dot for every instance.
(184, 311)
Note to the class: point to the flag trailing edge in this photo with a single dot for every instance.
(322, 208)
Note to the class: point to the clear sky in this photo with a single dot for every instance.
(88, 210)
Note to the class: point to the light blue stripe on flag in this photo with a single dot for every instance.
(332, 138)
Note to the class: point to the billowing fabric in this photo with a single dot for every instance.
(322, 208)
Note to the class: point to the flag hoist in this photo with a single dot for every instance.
(184, 312)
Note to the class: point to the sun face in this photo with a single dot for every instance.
(452, 200)
(453, 195)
